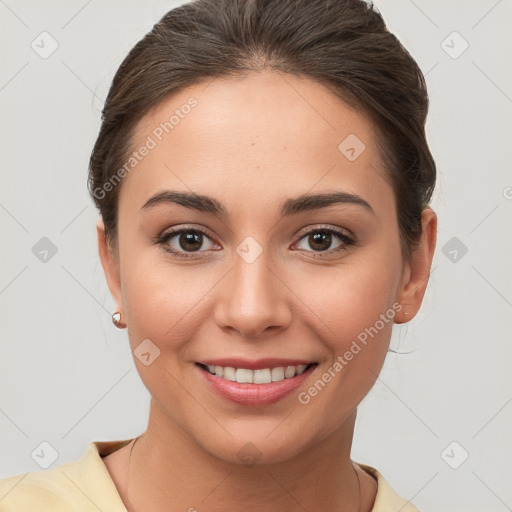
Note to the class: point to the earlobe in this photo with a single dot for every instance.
(110, 264)
(418, 269)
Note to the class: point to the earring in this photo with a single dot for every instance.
(116, 319)
(403, 319)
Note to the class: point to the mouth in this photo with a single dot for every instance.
(255, 383)
(256, 376)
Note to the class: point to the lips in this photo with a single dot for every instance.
(255, 382)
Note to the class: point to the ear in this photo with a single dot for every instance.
(417, 271)
(110, 264)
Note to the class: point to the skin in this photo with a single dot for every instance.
(251, 143)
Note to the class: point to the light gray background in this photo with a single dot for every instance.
(67, 374)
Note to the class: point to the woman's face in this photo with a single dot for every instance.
(267, 283)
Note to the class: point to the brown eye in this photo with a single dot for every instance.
(190, 240)
(320, 240)
(184, 242)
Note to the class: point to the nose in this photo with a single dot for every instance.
(254, 300)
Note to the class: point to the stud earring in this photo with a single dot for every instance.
(116, 320)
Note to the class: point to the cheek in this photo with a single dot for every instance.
(355, 319)
(163, 305)
(353, 306)
(163, 300)
(353, 297)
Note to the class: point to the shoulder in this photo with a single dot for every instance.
(387, 500)
(40, 490)
(83, 484)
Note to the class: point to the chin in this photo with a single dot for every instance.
(256, 447)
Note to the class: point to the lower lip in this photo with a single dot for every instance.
(254, 394)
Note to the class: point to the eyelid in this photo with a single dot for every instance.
(344, 236)
(327, 227)
(184, 228)
(342, 233)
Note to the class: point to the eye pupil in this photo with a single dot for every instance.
(190, 237)
(321, 237)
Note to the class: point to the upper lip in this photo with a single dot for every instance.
(254, 364)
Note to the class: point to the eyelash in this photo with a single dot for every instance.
(342, 237)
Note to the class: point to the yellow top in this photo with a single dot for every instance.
(86, 485)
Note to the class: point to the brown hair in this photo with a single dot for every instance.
(342, 44)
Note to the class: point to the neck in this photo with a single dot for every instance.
(167, 467)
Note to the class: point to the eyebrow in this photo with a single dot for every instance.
(289, 207)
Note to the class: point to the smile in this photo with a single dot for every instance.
(264, 383)
(260, 376)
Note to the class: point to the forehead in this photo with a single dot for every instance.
(266, 133)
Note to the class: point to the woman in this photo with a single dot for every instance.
(263, 180)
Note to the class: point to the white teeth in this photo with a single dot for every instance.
(229, 373)
(289, 372)
(242, 375)
(277, 374)
(301, 368)
(262, 376)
